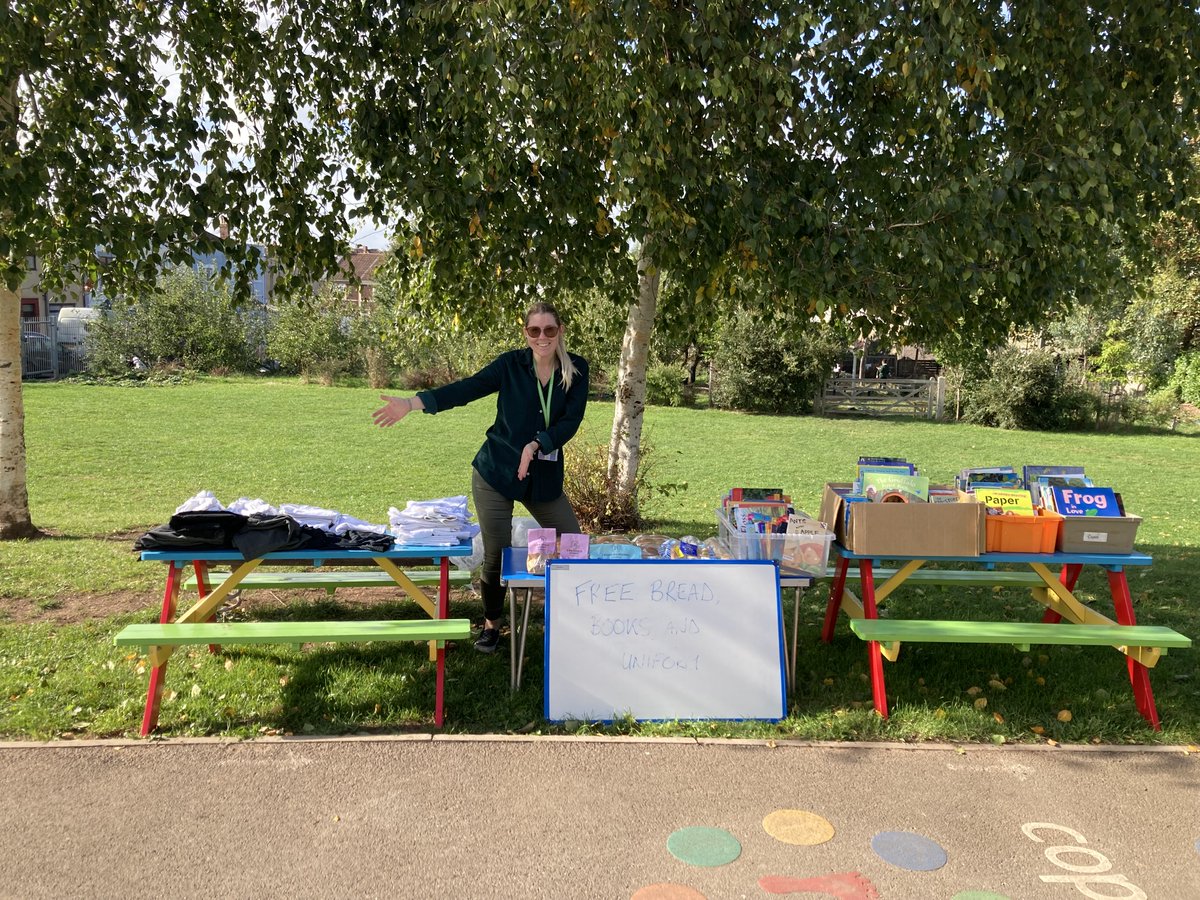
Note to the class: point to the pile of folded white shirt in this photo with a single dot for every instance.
(442, 522)
(329, 520)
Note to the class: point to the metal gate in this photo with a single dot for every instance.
(920, 397)
(42, 354)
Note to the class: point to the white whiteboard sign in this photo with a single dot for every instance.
(662, 639)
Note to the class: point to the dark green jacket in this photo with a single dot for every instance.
(519, 420)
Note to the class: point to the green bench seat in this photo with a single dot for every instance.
(330, 581)
(962, 578)
(170, 635)
(1021, 634)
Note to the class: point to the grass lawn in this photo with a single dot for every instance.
(105, 463)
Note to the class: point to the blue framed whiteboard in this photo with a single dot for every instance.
(663, 640)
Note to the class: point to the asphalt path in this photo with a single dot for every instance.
(537, 817)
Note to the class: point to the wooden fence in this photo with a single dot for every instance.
(920, 397)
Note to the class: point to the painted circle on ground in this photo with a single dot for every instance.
(978, 895)
(909, 851)
(701, 846)
(667, 891)
(798, 826)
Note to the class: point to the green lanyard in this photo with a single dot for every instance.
(545, 398)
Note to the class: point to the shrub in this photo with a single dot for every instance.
(1028, 390)
(760, 367)
(665, 386)
(311, 337)
(188, 321)
(600, 507)
(1185, 379)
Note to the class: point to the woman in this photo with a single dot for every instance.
(541, 395)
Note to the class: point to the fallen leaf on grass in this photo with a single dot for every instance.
(999, 718)
(981, 703)
(997, 685)
(1064, 715)
(229, 665)
(972, 691)
(1038, 729)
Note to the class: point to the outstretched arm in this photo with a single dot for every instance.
(395, 409)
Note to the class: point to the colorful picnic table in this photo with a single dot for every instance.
(1142, 645)
(195, 625)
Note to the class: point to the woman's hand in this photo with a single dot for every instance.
(528, 452)
(396, 408)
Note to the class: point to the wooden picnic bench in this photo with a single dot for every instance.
(196, 624)
(1020, 634)
(1143, 645)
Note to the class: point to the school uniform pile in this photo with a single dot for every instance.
(441, 522)
(254, 527)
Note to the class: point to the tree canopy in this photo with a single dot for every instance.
(916, 169)
(920, 167)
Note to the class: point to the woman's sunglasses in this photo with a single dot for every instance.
(536, 332)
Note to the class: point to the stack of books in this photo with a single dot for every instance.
(988, 476)
(890, 479)
(757, 510)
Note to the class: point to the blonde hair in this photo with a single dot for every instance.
(564, 359)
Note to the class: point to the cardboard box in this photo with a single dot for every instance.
(1098, 534)
(905, 529)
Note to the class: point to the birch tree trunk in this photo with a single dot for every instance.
(14, 500)
(624, 449)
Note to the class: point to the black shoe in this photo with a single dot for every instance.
(488, 641)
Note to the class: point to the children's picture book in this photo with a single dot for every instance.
(1044, 496)
(883, 461)
(864, 471)
(875, 484)
(1006, 501)
(756, 493)
(1088, 501)
(942, 493)
(1031, 474)
(996, 476)
(573, 546)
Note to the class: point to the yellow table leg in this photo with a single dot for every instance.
(1056, 597)
(419, 596)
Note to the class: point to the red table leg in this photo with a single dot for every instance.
(1139, 675)
(1068, 576)
(874, 657)
(158, 674)
(835, 598)
(443, 613)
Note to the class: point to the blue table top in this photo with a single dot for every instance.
(1108, 560)
(398, 551)
(513, 571)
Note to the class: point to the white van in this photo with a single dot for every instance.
(73, 322)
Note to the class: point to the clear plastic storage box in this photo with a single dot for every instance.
(806, 553)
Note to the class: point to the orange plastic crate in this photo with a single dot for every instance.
(1023, 534)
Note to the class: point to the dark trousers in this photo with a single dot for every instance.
(495, 514)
